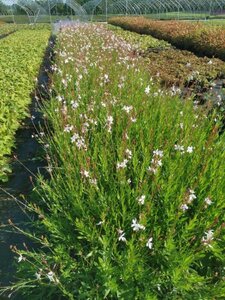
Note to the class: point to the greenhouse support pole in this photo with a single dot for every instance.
(13, 16)
(106, 10)
(49, 11)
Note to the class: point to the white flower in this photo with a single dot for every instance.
(149, 243)
(122, 165)
(106, 78)
(74, 138)
(51, 275)
(175, 90)
(93, 181)
(219, 97)
(184, 207)
(147, 90)
(20, 258)
(206, 240)
(74, 104)
(158, 153)
(190, 149)
(127, 109)
(68, 128)
(179, 148)
(110, 120)
(81, 144)
(153, 170)
(100, 223)
(38, 275)
(121, 236)
(208, 201)
(129, 153)
(210, 62)
(191, 197)
(136, 226)
(64, 82)
(159, 163)
(59, 98)
(141, 200)
(85, 173)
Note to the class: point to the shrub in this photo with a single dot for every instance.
(200, 39)
(21, 56)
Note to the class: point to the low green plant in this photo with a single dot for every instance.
(21, 56)
(195, 76)
(141, 42)
(6, 29)
(195, 37)
(134, 204)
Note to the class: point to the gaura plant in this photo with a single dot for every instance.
(134, 206)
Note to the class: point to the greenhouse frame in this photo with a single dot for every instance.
(35, 10)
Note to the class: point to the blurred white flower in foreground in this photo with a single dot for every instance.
(136, 226)
(150, 243)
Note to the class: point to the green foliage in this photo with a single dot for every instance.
(195, 37)
(141, 42)
(183, 68)
(21, 55)
(119, 218)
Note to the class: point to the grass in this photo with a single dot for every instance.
(21, 55)
(134, 205)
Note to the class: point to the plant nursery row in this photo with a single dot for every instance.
(134, 204)
(21, 56)
(176, 68)
(6, 29)
(196, 37)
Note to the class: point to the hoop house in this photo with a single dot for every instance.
(33, 11)
(162, 6)
(52, 10)
(155, 6)
(75, 9)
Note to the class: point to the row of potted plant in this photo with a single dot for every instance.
(196, 37)
(21, 56)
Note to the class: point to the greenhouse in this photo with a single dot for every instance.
(38, 10)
